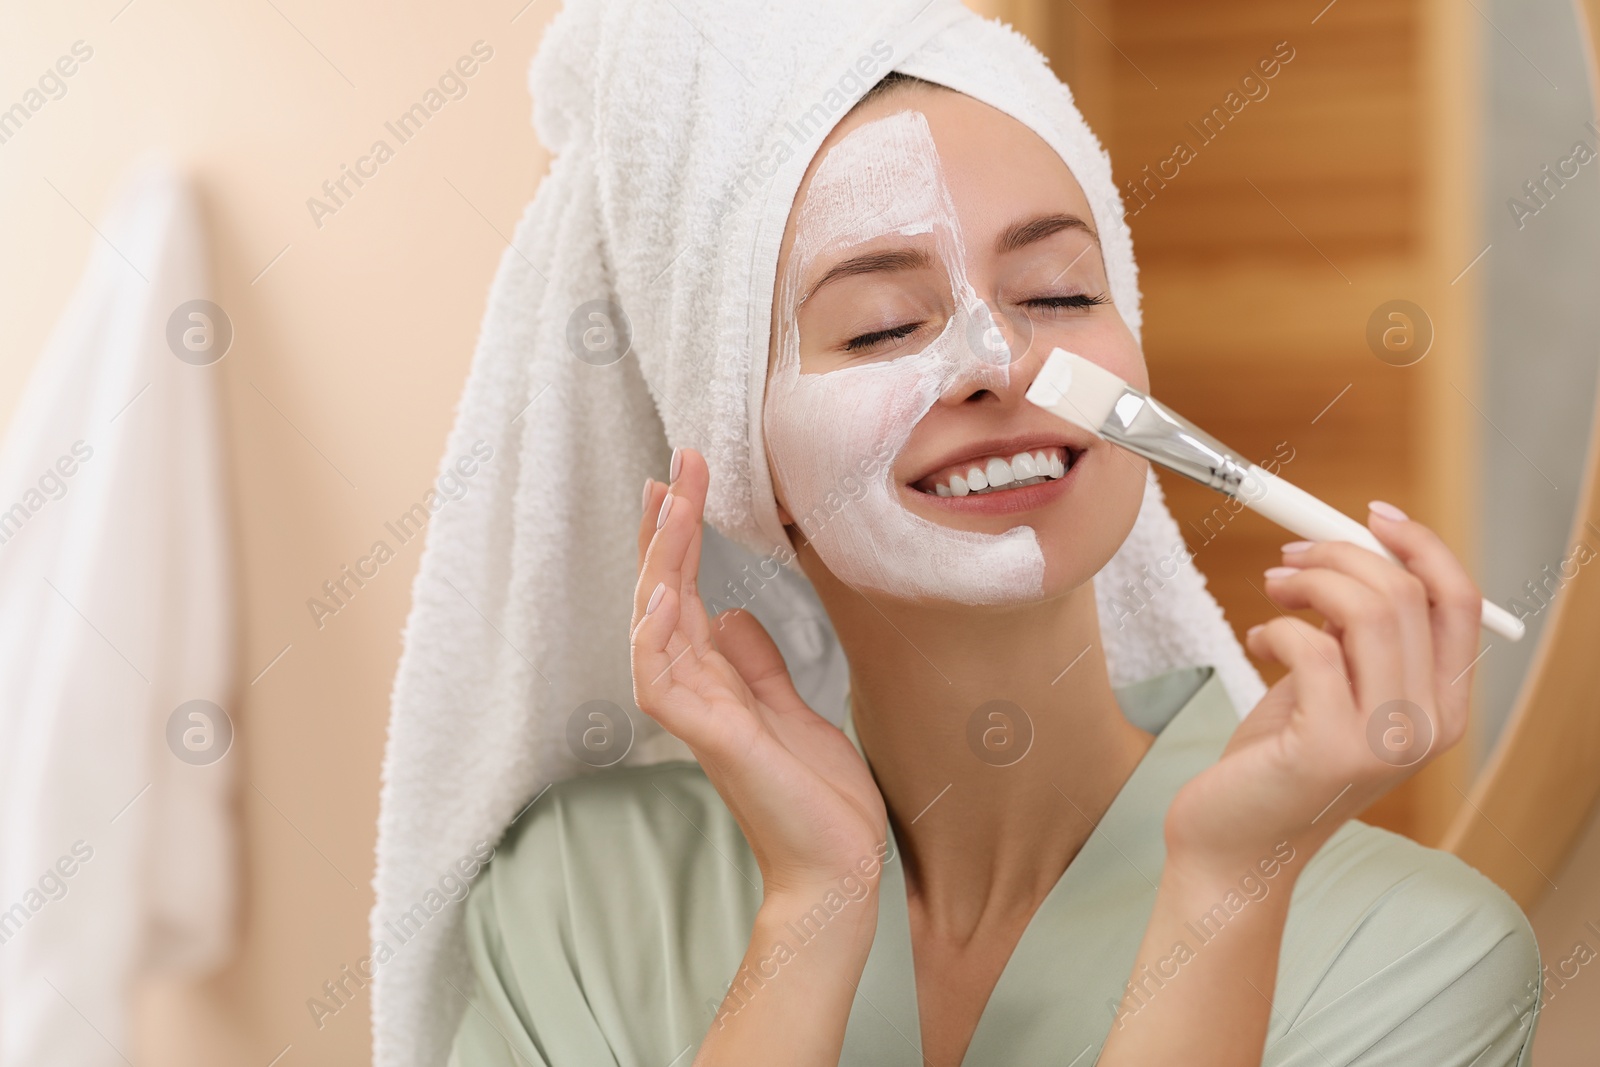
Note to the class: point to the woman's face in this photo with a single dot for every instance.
(938, 250)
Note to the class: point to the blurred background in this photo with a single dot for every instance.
(1375, 265)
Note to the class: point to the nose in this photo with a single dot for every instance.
(993, 352)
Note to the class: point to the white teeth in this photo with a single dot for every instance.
(1024, 468)
(1015, 485)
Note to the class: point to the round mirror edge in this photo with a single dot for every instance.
(1538, 789)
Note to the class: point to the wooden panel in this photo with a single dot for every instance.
(1314, 185)
(1370, 154)
(1338, 184)
(1323, 165)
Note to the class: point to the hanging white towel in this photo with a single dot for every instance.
(117, 857)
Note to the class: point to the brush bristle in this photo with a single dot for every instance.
(1076, 389)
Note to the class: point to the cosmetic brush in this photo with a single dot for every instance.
(1086, 394)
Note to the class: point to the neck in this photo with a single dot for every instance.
(994, 736)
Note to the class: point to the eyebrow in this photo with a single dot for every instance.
(1017, 235)
(1020, 234)
(889, 259)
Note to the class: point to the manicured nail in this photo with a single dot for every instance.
(677, 464)
(1298, 546)
(1282, 572)
(1388, 511)
(646, 502)
(655, 597)
(666, 506)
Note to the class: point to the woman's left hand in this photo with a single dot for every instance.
(1369, 699)
(1372, 696)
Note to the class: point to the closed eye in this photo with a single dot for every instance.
(893, 333)
(1049, 303)
(1073, 300)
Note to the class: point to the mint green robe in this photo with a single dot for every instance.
(613, 917)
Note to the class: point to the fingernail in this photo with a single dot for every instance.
(1298, 546)
(1282, 572)
(1252, 631)
(646, 502)
(1388, 511)
(655, 597)
(666, 506)
(677, 462)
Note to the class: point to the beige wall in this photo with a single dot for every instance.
(349, 354)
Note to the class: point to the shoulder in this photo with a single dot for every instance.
(615, 797)
(597, 864)
(1368, 881)
(1392, 948)
(654, 807)
(615, 827)
(605, 892)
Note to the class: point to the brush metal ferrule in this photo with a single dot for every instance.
(1143, 425)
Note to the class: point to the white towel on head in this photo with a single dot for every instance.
(680, 133)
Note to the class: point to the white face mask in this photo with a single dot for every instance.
(833, 437)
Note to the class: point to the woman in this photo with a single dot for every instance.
(982, 846)
(1000, 858)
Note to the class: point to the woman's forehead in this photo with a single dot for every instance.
(882, 178)
(924, 157)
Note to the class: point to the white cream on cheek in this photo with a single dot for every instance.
(823, 430)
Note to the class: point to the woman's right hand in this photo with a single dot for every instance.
(806, 800)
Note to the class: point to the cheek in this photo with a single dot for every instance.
(834, 437)
(1125, 357)
(1127, 363)
(824, 430)
(1107, 341)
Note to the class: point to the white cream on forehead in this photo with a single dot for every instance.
(824, 430)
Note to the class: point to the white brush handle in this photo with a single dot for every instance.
(1295, 509)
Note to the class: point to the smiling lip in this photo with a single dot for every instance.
(1006, 501)
(1066, 436)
